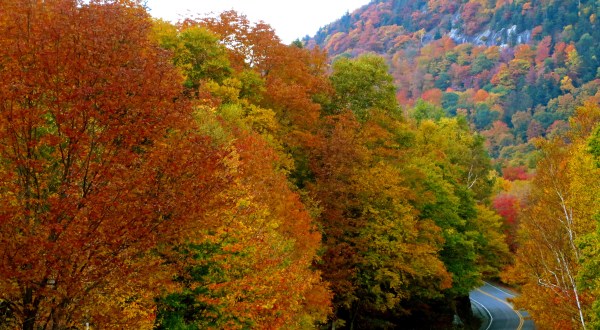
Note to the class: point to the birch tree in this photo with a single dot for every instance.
(562, 205)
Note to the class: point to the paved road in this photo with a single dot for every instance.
(490, 304)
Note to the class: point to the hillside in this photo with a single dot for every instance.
(515, 69)
(204, 175)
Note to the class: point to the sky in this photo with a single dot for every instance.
(291, 20)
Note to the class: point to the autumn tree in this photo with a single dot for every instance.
(362, 85)
(282, 88)
(337, 155)
(293, 75)
(394, 192)
(114, 193)
(590, 243)
(562, 205)
(252, 267)
(453, 171)
(88, 107)
(196, 51)
(507, 206)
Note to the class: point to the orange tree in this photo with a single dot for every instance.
(251, 267)
(90, 181)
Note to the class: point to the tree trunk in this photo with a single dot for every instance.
(30, 311)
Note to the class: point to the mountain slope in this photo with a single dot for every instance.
(515, 69)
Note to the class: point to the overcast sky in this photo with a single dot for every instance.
(290, 19)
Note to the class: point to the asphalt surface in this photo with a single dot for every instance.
(489, 303)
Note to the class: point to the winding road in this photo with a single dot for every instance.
(489, 303)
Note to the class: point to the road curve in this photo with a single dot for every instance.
(489, 302)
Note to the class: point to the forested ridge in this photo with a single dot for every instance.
(515, 69)
(204, 175)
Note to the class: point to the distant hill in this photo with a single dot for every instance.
(504, 22)
(514, 68)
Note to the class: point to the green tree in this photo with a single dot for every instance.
(362, 85)
(196, 51)
(453, 168)
(423, 110)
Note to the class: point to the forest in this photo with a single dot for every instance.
(525, 76)
(204, 175)
(515, 69)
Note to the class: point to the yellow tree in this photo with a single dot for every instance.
(252, 266)
(590, 243)
(562, 203)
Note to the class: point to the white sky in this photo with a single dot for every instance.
(290, 19)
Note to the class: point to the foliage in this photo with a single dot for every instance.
(118, 202)
(499, 57)
(87, 192)
(557, 230)
(400, 216)
(204, 175)
(252, 267)
(363, 85)
(196, 52)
